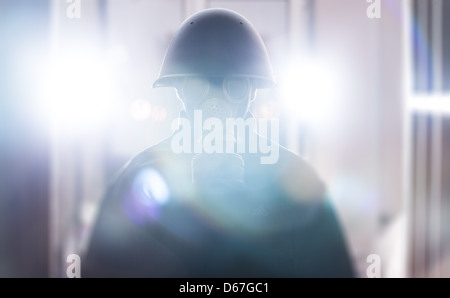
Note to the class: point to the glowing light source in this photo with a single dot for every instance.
(78, 91)
(118, 55)
(433, 103)
(153, 186)
(159, 113)
(148, 195)
(140, 109)
(310, 91)
(267, 110)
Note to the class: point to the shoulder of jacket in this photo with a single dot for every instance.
(151, 156)
(299, 179)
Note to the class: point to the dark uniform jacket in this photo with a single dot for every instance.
(154, 222)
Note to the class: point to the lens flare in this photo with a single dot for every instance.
(148, 194)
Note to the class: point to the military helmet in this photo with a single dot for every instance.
(216, 42)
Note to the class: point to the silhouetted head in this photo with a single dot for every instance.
(216, 61)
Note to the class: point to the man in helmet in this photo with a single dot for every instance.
(213, 212)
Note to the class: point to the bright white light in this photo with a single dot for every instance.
(436, 103)
(78, 91)
(310, 91)
(118, 55)
(159, 113)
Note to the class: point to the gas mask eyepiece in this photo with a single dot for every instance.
(195, 89)
(216, 97)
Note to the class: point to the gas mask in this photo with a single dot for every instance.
(220, 98)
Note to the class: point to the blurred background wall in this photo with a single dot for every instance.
(362, 97)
